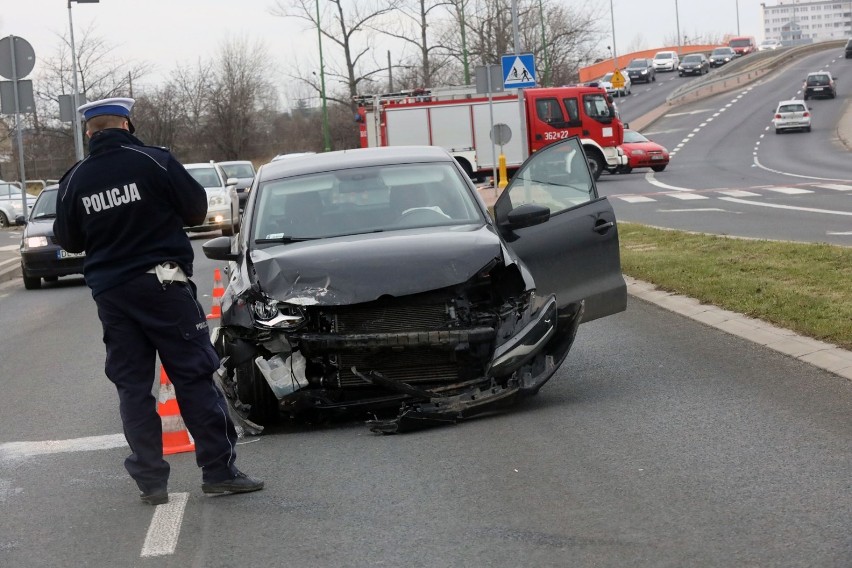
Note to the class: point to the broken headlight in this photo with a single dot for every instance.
(272, 314)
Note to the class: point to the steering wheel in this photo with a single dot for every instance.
(421, 216)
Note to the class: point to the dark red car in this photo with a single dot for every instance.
(643, 153)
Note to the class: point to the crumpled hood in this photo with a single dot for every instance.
(362, 268)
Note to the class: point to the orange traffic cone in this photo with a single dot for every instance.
(176, 437)
(218, 292)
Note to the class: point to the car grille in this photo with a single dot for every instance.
(413, 342)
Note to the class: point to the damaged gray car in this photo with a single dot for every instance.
(375, 283)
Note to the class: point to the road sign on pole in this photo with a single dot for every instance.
(518, 71)
(17, 57)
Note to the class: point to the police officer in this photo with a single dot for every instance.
(126, 205)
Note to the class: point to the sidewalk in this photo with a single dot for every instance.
(10, 259)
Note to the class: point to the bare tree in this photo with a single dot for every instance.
(350, 36)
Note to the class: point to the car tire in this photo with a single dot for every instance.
(777, 131)
(808, 129)
(253, 389)
(658, 168)
(596, 164)
(228, 231)
(625, 170)
(653, 78)
(30, 282)
(4, 221)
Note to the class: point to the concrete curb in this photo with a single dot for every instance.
(820, 354)
(10, 269)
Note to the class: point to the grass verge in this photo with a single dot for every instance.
(806, 288)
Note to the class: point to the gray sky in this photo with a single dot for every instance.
(167, 32)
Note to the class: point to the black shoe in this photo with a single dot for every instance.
(241, 483)
(159, 497)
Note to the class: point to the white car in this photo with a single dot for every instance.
(769, 45)
(666, 61)
(792, 115)
(606, 83)
(10, 203)
(222, 202)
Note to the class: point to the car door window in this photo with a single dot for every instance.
(559, 181)
(573, 109)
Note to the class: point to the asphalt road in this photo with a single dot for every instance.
(660, 442)
(731, 174)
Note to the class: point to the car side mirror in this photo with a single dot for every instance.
(20, 220)
(232, 181)
(219, 249)
(527, 215)
(626, 125)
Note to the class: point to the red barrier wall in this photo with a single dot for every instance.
(597, 70)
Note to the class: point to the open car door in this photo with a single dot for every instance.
(552, 218)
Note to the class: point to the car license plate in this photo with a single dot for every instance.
(656, 157)
(65, 254)
(817, 88)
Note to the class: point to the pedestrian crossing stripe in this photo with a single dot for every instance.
(835, 186)
(686, 196)
(739, 193)
(789, 190)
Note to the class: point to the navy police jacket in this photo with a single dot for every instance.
(126, 205)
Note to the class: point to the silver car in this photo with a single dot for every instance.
(792, 115)
(222, 202)
(11, 206)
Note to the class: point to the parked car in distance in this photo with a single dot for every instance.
(41, 256)
(223, 210)
(792, 115)
(693, 64)
(11, 205)
(819, 84)
(848, 49)
(374, 282)
(666, 61)
(243, 172)
(769, 45)
(722, 55)
(641, 70)
(606, 83)
(742, 45)
(643, 153)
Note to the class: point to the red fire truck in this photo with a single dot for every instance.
(526, 120)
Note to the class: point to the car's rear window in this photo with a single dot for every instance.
(792, 108)
(818, 80)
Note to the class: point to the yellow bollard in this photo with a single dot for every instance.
(501, 168)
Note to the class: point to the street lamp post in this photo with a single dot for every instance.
(78, 131)
(325, 134)
(677, 24)
(614, 52)
(738, 16)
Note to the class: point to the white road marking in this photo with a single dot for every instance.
(789, 190)
(699, 111)
(9, 248)
(635, 198)
(164, 530)
(739, 193)
(21, 450)
(834, 186)
(686, 196)
(839, 233)
(702, 210)
(759, 165)
(788, 207)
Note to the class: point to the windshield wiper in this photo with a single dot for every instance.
(45, 216)
(285, 239)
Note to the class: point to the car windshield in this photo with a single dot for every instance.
(45, 205)
(363, 200)
(238, 170)
(740, 43)
(692, 59)
(607, 78)
(663, 56)
(633, 136)
(207, 177)
(637, 64)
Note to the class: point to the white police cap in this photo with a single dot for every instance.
(116, 106)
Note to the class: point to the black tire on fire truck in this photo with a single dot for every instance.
(597, 164)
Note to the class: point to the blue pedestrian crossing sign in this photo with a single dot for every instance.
(518, 71)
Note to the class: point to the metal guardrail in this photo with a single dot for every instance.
(748, 68)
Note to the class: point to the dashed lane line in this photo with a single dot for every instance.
(164, 530)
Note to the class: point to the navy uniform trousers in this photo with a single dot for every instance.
(141, 318)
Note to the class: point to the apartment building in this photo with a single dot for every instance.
(794, 21)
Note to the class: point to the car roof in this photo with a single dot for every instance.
(791, 101)
(354, 158)
(234, 162)
(200, 165)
